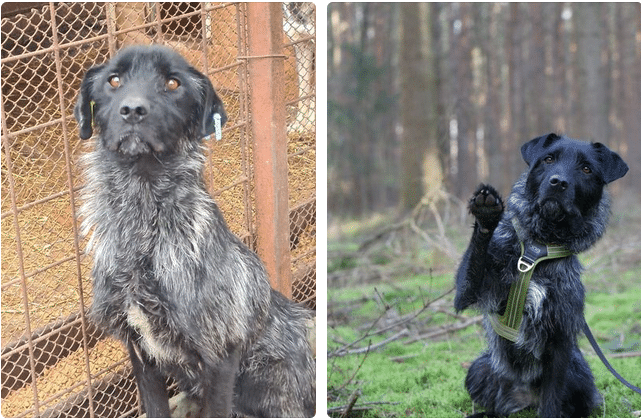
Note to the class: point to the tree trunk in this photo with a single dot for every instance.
(418, 107)
(593, 117)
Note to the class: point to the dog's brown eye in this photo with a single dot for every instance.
(172, 84)
(549, 159)
(586, 169)
(114, 81)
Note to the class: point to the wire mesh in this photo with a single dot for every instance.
(54, 362)
(300, 46)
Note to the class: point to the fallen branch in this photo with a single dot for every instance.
(625, 355)
(348, 381)
(411, 223)
(407, 318)
(341, 351)
(359, 408)
(445, 330)
(350, 404)
(401, 359)
(372, 347)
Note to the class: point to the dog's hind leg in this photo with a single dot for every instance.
(151, 384)
(581, 395)
(487, 207)
(554, 379)
(277, 378)
(498, 395)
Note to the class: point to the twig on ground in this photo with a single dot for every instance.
(401, 359)
(369, 333)
(359, 408)
(370, 347)
(445, 330)
(452, 314)
(344, 385)
(410, 317)
(353, 343)
(427, 204)
(350, 404)
(625, 355)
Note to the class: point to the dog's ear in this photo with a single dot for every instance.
(212, 108)
(533, 149)
(611, 163)
(85, 106)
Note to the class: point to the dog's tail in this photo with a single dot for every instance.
(588, 333)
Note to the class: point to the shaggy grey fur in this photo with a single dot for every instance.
(560, 200)
(187, 297)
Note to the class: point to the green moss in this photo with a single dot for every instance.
(425, 378)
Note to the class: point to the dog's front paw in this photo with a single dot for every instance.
(487, 207)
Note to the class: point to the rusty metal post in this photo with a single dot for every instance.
(267, 110)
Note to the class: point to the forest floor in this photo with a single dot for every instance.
(396, 347)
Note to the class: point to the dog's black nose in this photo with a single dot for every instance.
(558, 183)
(134, 109)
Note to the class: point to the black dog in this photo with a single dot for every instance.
(187, 297)
(561, 203)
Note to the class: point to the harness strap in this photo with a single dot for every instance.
(532, 253)
(508, 324)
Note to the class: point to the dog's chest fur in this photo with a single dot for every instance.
(154, 253)
(156, 242)
(555, 294)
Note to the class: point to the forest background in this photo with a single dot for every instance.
(425, 101)
(444, 94)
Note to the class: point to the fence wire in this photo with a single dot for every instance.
(54, 362)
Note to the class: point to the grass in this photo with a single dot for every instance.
(425, 378)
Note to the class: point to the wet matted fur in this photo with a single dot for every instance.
(560, 200)
(187, 297)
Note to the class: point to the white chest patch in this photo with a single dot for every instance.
(137, 319)
(534, 302)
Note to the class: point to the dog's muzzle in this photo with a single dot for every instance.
(134, 135)
(552, 209)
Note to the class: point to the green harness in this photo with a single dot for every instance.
(508, 324)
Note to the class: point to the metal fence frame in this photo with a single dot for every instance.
(276, 216)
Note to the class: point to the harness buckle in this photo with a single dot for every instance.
(532, 252)
(524, 266)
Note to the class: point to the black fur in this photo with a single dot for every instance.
(187, 297)
(560, 200)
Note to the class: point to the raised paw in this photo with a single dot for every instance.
(486, 206)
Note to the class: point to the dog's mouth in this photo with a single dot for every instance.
(552, 210)
(560, 222)
(557, 212)
(133, 143)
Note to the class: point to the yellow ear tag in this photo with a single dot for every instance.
(92, 104)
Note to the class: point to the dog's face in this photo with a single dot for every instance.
(147, 99)
(566, 178)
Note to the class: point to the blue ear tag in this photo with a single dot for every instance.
(218, 127)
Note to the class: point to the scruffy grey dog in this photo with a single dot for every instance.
(187, 297)
(559, 201)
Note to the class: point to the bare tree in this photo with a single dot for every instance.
(593, 114)
(420, 164)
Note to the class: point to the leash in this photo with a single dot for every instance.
(597, 349)
(508, 324)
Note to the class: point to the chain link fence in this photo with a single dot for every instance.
(54, 362)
